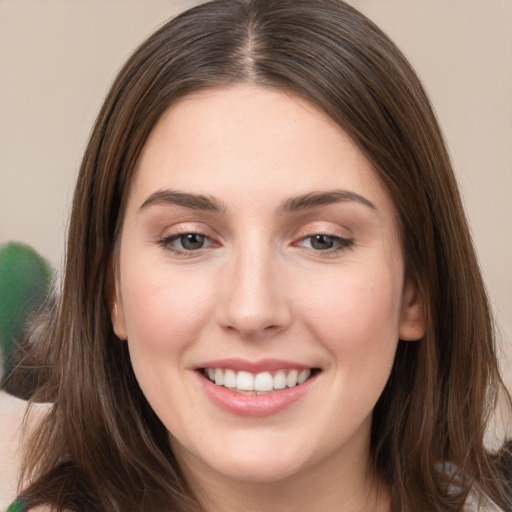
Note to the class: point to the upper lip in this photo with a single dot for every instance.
(262, 365)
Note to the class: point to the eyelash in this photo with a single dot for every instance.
(341, 243)
(166, 243)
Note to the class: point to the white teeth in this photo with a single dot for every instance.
(219, 377)
(291, 379)
(303, 376)
(280, 380)
(262, 382)
(244, 381)
(229, 379)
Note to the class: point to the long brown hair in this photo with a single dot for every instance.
(102, 447)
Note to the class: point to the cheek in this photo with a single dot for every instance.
(165, 313)
(356, 315)
(164, 310)
(356, 320)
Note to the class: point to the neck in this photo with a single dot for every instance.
(299, 495)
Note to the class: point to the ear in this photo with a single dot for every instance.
(114, 303)
(412, 318)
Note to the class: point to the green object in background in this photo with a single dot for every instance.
(17, 506)
(25, 281)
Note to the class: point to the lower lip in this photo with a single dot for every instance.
(255, 405)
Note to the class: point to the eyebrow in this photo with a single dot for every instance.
(192, 201)
(317, 199)
(294, 204)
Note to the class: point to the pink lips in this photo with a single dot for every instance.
(253, 405)
(264, 365)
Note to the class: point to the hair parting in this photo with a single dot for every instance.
(429, 424)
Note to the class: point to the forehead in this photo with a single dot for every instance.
(252, 144)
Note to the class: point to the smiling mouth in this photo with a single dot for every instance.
(244, 382)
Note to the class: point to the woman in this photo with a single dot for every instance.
(270, 300)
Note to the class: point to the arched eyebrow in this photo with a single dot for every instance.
(317, 199)
(293, 204)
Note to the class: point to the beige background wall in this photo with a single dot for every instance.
(58, 57)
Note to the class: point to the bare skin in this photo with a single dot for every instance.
(257, 238)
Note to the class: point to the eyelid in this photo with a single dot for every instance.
(167, 244)
(185, 227)
(324, 228)
(343, 241)
(173, 233)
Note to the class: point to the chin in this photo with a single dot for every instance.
(248, 462)
(267, 471)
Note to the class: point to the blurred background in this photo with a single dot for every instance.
(58, 58)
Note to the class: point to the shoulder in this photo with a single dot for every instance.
(490, 508)
(12, 415)
(472, 506)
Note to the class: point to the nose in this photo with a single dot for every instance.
(252, 299)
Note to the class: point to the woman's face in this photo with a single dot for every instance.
(260, 285)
